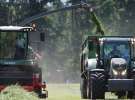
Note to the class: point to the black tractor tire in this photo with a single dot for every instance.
(131, 95)
(96, 86)
(40, 95)
(89, 87)
(43, 96)
(38, 92)
(121, 94)
(83, 88)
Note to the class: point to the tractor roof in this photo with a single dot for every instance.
(111, 38)
(107, 38)
(115, 38)
(15, 28)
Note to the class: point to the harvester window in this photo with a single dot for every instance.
(20, 46)
(10, 44)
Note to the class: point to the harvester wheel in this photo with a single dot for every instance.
(40, 94)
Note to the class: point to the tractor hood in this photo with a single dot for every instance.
(17, 62)
(118, 63)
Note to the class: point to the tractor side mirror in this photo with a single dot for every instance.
(42, 36)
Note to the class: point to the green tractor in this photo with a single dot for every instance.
(17, 61)
(108, 65)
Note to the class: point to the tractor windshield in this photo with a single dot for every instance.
(117, 49)
(13, 45)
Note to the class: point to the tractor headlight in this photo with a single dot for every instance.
(115, 72)
(124, 72)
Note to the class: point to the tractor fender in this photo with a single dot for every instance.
(91, 63)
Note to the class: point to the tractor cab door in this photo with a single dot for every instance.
(89, 51)
(93, 47)
(94, 50)
(133, 53)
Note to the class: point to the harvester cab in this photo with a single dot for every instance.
(108, 64)
(16, 67)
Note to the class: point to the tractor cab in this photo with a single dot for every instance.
(14, 42)
(104, 48)
(112, 48)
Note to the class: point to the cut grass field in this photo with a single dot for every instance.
(68, 92)
(63, 92)
(56, 92)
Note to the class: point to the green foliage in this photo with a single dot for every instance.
(3, 15)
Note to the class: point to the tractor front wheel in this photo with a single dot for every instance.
(97, 86)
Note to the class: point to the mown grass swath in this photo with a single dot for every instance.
(15, 92)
